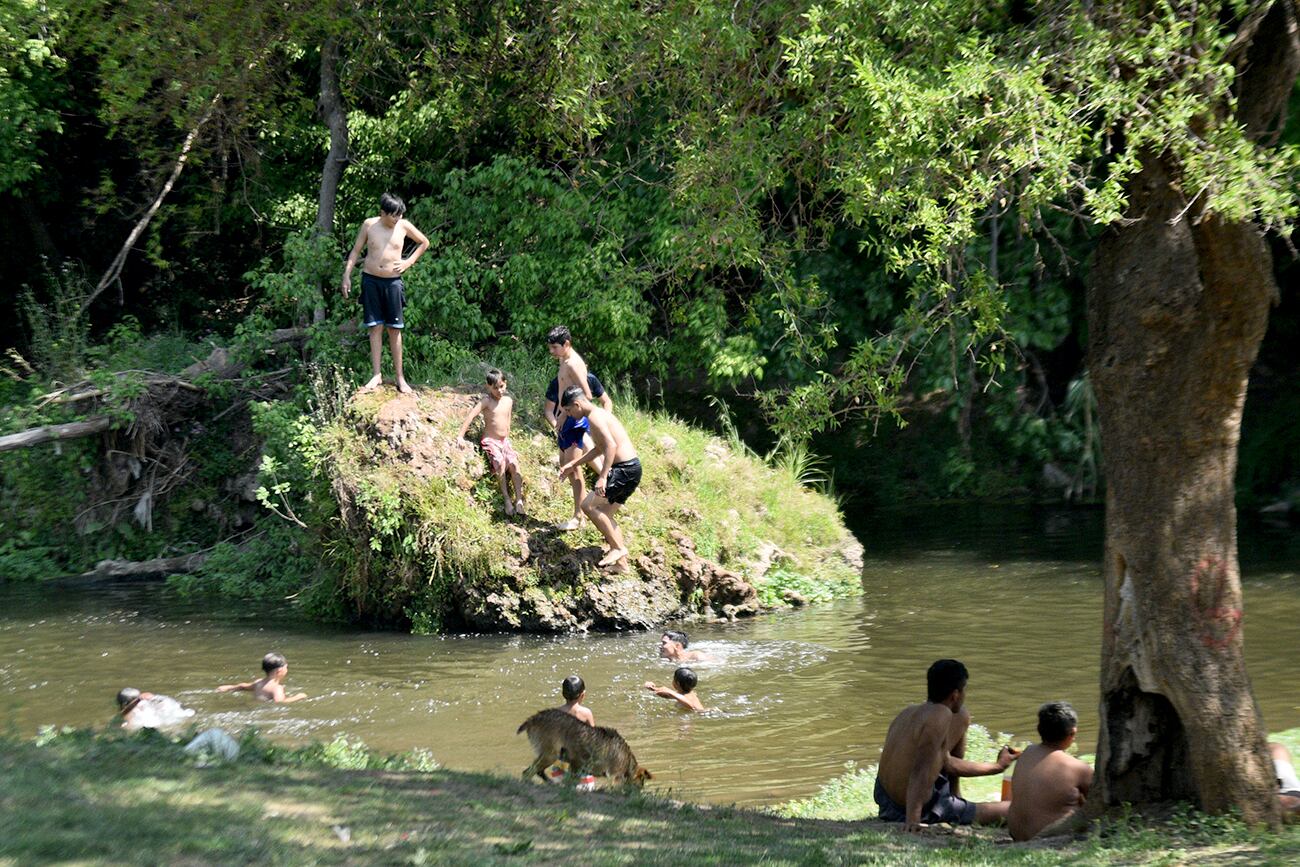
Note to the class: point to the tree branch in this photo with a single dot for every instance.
(119, 261)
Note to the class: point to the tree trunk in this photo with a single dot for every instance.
(1177, 311)
(1177, 307)
(336, 118)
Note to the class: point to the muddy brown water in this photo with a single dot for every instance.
(1013, 592)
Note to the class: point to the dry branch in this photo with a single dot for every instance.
(109, 569)
(54, 432)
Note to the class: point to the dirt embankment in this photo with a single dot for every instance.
(424, 542)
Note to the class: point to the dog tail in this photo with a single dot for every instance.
(528, 723)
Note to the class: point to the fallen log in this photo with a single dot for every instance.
(54, 432)
(106, 570)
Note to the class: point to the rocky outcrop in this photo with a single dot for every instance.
(425, 541)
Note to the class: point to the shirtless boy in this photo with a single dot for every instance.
(270, 687)
(1049, 783)
(617, 463)
(382, 294)
(683, 691)
(924, 758)
(672, 645)
(574, 691)
(144, 710)
(571, 432)
(496, 408)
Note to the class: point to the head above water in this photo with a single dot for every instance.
(676, 637)
(572, 688)
(559, 336)
(943, 678)
(1057, 721)
(127, 695)
(273, 661)
(685, 680)
(391, 205)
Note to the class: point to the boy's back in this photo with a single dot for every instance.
(1048, 785)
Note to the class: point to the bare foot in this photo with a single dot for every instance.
(403, 387)
(519, 507)
(510, 509)
(570, 525)
(612, 557)
(373, 383)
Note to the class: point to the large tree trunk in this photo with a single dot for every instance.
(1177, 307)
(336, 118)
(1176, 312)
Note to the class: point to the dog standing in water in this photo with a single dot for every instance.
(555, 734)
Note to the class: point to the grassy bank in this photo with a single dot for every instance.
(419, 538)
(138, 799)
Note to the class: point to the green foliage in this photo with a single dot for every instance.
(30, 88)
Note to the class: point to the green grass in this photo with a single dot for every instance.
(413, 539)
(136, 799)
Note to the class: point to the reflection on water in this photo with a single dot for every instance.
(1014, 593)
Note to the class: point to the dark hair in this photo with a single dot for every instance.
(127, 695)
(390, 204)
(571, 394)
(943, 677)
(272, 661)
(685, 679)
(559, 334)
(572, 688)
(679, 637)
(494, 376)
(1056, 720)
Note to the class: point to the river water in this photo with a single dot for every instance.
(1015, 593)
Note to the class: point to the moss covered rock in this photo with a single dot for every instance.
(423, 541)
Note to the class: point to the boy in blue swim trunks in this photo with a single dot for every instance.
(382, 293)
(923, 760)
(571, 431)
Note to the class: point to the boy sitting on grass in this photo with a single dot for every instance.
(496, 408)
(268, 688)
(683, 691)
(574, 691)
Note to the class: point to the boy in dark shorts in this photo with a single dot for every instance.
(923, 759)
(382, 293)
(571, 433)
(619, 470)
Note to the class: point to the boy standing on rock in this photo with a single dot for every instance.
(570, 432)
(496, 408)
(618, 467)
(382, 293)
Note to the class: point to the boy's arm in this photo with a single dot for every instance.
(420, 239)
(290, 699)
(611, 449)
(478, 408)
(548, 410)
(357, 246)
(234, 687)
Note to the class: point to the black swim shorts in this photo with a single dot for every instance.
(382, 300)
(943, 806)
(622, 480)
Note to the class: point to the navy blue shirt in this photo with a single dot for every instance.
(553, 390)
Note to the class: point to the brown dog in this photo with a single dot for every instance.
(555, 734)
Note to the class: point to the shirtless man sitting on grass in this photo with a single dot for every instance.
(924, 758)
(618, 465)
(383, 295)
(1049, 783)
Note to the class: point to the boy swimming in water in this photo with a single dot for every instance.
(496, 408)
(672, 645)
(574, 691)
(683, 691)
(270, 687)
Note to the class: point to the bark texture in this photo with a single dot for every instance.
(336, 119)
(1177, 308)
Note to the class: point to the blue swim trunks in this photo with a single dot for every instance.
(382, 300)
(572, 432)
(943, 806)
